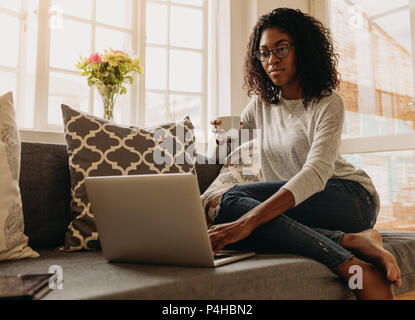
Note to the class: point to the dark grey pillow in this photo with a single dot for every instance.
(97, 147)
(45, 189)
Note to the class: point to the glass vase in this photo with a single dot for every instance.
(109, 96)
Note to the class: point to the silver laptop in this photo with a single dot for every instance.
(155, 219)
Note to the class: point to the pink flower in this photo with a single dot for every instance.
(118, 51)
(94, 58)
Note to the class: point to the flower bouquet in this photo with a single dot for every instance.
(108, 72)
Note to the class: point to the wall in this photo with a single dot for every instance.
(265, 6)
(240, 14)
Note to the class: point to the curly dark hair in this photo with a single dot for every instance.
(315, 60)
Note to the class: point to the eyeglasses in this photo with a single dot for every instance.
(280, 52)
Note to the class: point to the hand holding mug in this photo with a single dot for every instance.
(223, 127)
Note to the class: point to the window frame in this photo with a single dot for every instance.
(380, 143)
(203, 51)
(22, 17)
(44, 68)
(42, 130)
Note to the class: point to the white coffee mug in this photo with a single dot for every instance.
(229, 125)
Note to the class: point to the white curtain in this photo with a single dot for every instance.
(219, 64)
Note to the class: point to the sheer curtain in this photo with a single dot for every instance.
(219, 65)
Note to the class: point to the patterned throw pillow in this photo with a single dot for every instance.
(242, 166)
(13, 241)
(97, 147)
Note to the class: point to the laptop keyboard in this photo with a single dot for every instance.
(222, 255)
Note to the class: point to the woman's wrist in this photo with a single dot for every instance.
(251, 220)
(277, 204)
(248, 222)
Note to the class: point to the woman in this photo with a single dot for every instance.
(313, 202)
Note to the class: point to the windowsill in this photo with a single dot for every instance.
(55, 137)
(31, 135)
(397, 142)
(385, 143)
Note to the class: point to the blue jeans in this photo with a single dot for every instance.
(313, 229)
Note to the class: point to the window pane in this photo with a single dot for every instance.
(156, 23)
(68, 43)
(182, 106)
(123, 112)
(98, 105)
(77, 8)
(28, 75)
(117, 13)
(10, 40)
(373, 39)
(186, 27)
(8, 82)
(156, 109)
(10, 4)
(366, 125)
(185, 71)
(156, 68)
(66, 89)
(393, 175)
(190, 2)
(106, 39)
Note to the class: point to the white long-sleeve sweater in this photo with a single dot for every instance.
(302, 146)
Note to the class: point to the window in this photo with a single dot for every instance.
(47, 37)
(373, 39)
(393, 174)
(74, 28)
(176, 59)
(376, 64)
(18, 56)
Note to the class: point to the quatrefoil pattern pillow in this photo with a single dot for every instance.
(97, 147)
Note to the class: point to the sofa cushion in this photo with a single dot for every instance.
(46, 211)
(87, 275)
(242, 166)
(97, 147)
(206, 174)
(13, 241)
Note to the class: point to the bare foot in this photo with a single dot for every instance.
(369, 244)
(374, 284)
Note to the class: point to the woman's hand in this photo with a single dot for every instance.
(217, 131)
(227, 233)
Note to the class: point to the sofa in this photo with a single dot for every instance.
(45, 189)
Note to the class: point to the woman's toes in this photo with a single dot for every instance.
(398, 282)
(392, 273)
